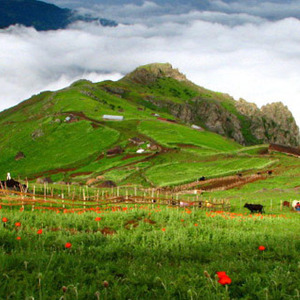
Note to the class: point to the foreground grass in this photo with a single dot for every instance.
(163, 260)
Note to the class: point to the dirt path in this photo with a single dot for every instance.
(221, 183)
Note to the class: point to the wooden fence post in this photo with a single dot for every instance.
(45, 191)
(83, 195)
(63, 201)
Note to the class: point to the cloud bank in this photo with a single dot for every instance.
(240, 53)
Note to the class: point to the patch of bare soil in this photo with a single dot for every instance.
(108, 231)
(131, 224)
(51, 172)
(134, 155)
(149, 221)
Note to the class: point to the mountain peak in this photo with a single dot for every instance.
(148, 74)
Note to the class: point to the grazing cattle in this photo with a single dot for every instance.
(201, 178)
(254, 207)
(12, 184)
(294, 203)
(270, 172)
(240, 174)
(286, 203)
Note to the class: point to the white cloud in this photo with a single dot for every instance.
(239, 54)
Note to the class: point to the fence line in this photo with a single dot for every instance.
(15, 198)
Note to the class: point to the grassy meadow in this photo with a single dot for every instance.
(147, 252)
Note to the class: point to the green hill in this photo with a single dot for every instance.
(63, 134)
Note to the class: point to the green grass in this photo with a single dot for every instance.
(61, 145)
(173, 134)
(179, 173)
(144, 262)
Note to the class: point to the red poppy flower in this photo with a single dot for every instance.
(18, 224)
(182, 220)
(224, 280)
(196, 224)
(40, 231)
(68, 245)
(18, 238)
(4, 219)
(163, 229)
(97, 219)
(221, 274)
(261, 248)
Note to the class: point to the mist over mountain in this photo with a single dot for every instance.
(249, 49)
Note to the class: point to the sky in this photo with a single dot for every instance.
(248, 49)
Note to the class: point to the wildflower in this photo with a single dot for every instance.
(4, 220)
(261, 248)
(0, 207)
(221, 274)
(18, 224)
(68, 245)
(97, 219)
(64, 289)
(40, 231)
(18, 238)
(21, 209)
(196, 224)
(182, 220)
(163, 229)
(223, 278)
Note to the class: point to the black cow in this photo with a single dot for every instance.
(255, 207)
(270, 172)
(201, 178)
(12, 184)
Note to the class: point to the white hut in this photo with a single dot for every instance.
(113, 118)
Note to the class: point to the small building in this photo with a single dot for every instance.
(114, 151)
(71, 119)
(136, 141)
(113, 118)
(197, 127)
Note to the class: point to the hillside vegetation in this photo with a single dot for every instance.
(63, 135)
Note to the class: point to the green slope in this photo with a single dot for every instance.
(76, 150)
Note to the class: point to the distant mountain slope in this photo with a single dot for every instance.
(40, 15)
(220, 113)
(63, 134)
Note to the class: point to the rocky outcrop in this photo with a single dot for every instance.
(240, 120)
(281, 126)
(148, 74)
(273, 123)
